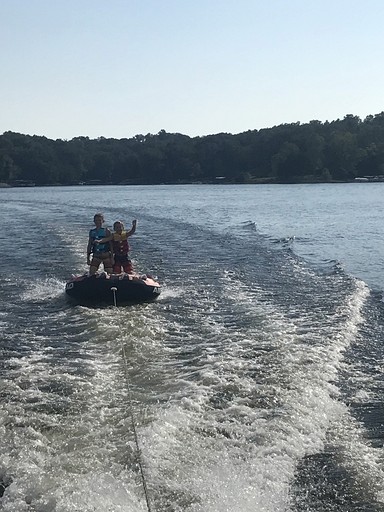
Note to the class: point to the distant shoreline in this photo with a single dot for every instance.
(255, 182)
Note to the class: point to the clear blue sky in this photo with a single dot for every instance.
(117, 68)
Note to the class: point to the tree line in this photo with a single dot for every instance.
(339, 150)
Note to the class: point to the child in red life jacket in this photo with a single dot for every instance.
(120, 247)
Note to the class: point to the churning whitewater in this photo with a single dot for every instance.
(254, 382)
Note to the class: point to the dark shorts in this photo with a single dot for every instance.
(121, 258)
(122, 261)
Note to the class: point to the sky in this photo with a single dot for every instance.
(118, 68)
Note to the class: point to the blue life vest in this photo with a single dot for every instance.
(98, 234)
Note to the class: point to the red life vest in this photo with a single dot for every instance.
(120, 243)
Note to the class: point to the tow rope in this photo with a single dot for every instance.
(139, 461)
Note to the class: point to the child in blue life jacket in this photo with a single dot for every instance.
(99, 246)
(120, 247)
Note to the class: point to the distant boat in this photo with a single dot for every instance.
(363, 179)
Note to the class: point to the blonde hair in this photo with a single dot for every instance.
(118, 222)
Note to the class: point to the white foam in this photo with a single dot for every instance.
(260, 447)
(42, 289)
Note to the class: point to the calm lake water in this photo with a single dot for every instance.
(255, 381)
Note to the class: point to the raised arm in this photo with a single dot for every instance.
(133, 228)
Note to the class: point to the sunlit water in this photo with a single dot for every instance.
(254, 383)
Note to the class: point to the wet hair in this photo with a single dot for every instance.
(98, 215)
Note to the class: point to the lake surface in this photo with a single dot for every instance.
(255, 381)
